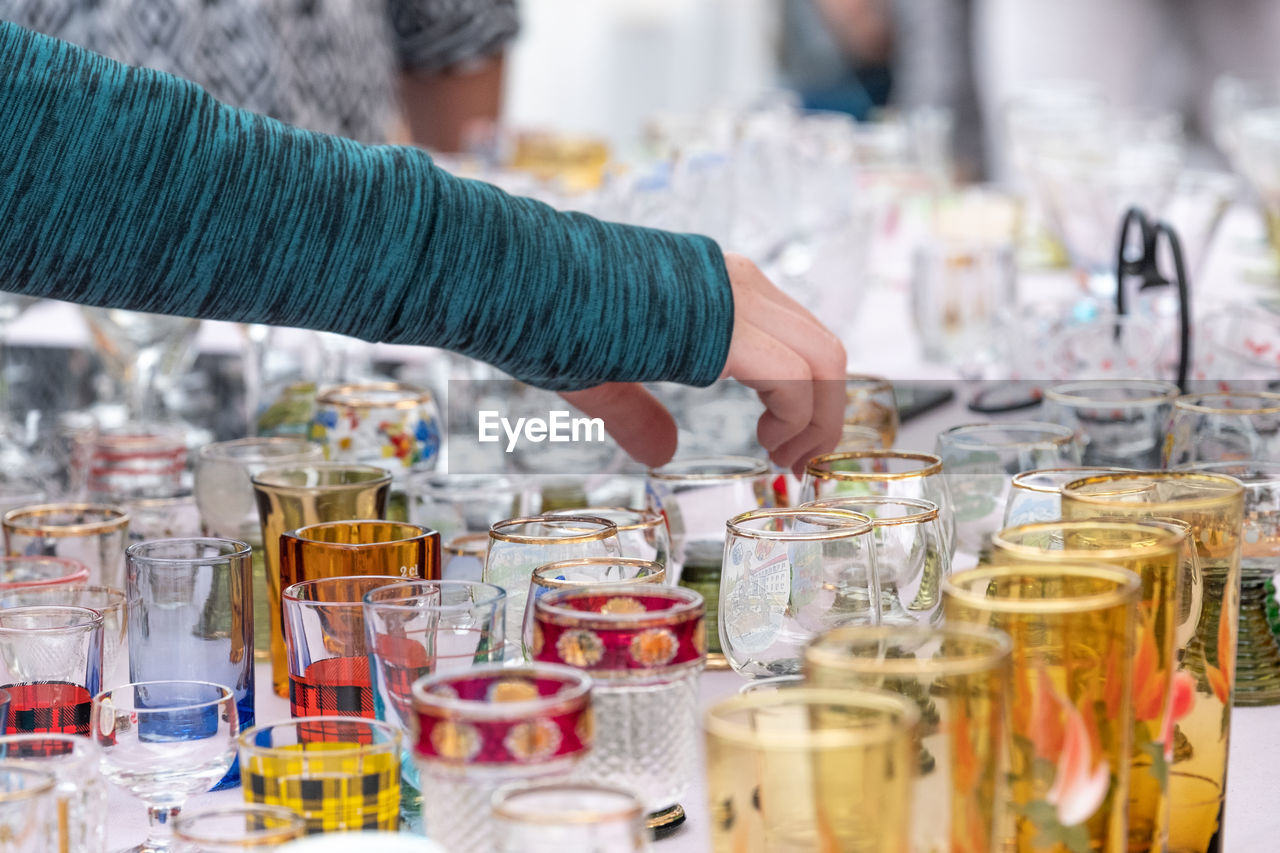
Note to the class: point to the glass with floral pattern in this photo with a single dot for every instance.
(391, 424)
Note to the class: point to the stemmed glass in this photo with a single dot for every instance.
(143, 353)
(165, 741)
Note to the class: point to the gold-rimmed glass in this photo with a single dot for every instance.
(28, 809)
(1153, 551)
(789, 575)
(810, 769)
(228, 829)
(1036, 495)
(958, 676)
(858, 437)
(1116, 421)
(582, 572)
(1223, 427)
(642, 533)
(463, 556)
(293, 497)
(870, 402)
(93, 534)
(551, 817)
(1213, 506)
(1071, 627)
(389, 424)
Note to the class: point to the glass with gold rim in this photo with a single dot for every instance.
(581, 572)
(811, 768)
(958, 677)
(1213, 506)
(642, 533)
(551, 817)
(93, 534)
(462, 557)
(1116, 421)
(389, 424)
(1036, 495)
(227, 829)
(1071, 627)
(1153, 551)
(1223, 427)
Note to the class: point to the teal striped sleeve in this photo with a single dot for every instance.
(128, 188)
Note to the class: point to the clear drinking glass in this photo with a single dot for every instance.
(958, 676)
(911, 560)
(587, 570)
(137, 460)
(228, 829)
(1238, 346)
(552, 817)
(51, 667)
(858, 437)
(811, 768)
(142, 353)
(1036, 495)
(1223, 428)
(173, 517)
(957, 294)
(39, 573)
(164, 742)
(80, 817)
(482, 728)
(642, 533)
(1116, 422)
(870, 403)
(1108, 348)
(644, 646)
(28, 808)
(92, 534)
(457, 504)
(789, 575)
(462, 557)
(111, 603)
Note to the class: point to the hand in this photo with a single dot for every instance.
(779, 349)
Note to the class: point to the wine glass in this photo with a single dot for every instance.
(143, 353)
(163, 742)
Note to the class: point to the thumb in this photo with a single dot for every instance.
(634, 417)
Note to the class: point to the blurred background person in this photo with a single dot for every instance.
(836, 53)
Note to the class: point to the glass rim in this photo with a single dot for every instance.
(1072, 490)
(1164, 539)
(1020, 480)
(119, 599)
(814, 468)
(456, 545)
(898, 715)
(89, 617)
(872, 384)
(76, 571)
(607, 530)
(748, 468)
(1053, 435)
(244, 740)
(657, 574)
(1069, 393)
(79, 743)
(235, 549)
(225, 451)
(575, 690)
(47, 782)
(928, 510)
(824, 652)
(272, 478)
(686, 604)
(294, 825)
(1269, 403)
(856, 524)
(633, 811)
(1126, 586)
(646, 519)
(497, 596)
(227, 694)
(289, 592)
(297, 534)
(17, 522)
(1270, 467)
(346, 396)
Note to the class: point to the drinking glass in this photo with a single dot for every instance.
(957, 293)
(1071, 716)
(1036, 495)
(696, 496)
(487, 726)
(457, 504)
(463, 556)
(789, 575)
(16, 492)
(980, 460)
(28, 809)
(811, 768)
(644, 647)
(80, 815)
(870, 403)
(551, 817)
(563, 574)
(1223, 428)
(389, 424)
(173, 517)
(51, 667)
(1109, 347)
(142, 352)
(910, 558)
(191, 612)
(1238, 346)
(642, 533)
(347, 780)
(228, 829)
(517, 546)
(93, 534)
(328, 648)
(1152, 551)
(1258, 650)
(39, 573)
(164, 742)
(293, 497)
(111, 603)
(224, 496)
(858, 437)
(958, 677)
(137, 460)
(1116, 422)
(1213, 506)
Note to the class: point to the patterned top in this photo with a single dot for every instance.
(326, 65)
(129, 188)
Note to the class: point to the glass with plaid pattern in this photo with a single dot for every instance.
(164, 742)
(93, 534)
(51, 666)
(80, 813)
(338, 773)
(328, 649)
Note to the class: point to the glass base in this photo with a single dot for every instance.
(665, 822)
(1258, 650)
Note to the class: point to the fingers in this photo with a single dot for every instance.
(633, 416)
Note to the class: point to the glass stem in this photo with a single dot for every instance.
(160, 827)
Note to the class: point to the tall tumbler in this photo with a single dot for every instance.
(294, 497)
(93, 534)
(644, 647)
(191, 612)
(1213, 506)
(51, 666)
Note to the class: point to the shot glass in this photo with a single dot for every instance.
(786, 768)
(1212, 506)
(958, 676)
(1117, 422)
(1071, 629)
(789, 575)
(51, 667)
(584, 572)
(293, 497)
(870, 403)
(92, 534)
(28, 809)
(462, 557)
(644, 647)
(80, 815)
(191, 608)
(642, 533)
(957, 294)
(551, 817)
(389, 424)
(349, 780)
(136, 461)
(459, 504)
(1223, 428)
(111, 603)
(173, 517)
(492, 725)
(1036, 495)
(230, 829)
(39, 573)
